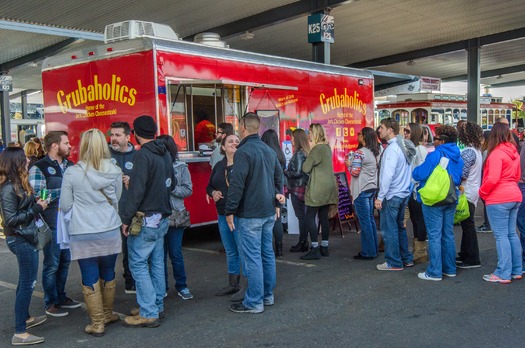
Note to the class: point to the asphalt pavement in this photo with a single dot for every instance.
(333, 302)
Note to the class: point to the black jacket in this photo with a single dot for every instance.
(16, 211)
(295, 175)
(150, 182)
(255, 179)
(218, 183)
(125, 162)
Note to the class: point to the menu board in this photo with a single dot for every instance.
(344, 207)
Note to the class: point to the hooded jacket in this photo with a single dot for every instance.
(82, 188)
(151, 181)
(184, 186)
(454, 167)
(501, 175)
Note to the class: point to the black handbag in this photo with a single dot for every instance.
(29, 232)
(44, 233)
(179, 219)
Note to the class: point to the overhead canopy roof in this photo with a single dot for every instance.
(381, 35)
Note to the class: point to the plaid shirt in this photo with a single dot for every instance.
(37, 180)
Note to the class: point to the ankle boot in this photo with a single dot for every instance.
(313, 254)
(324, 251)
(233, 285)
(94, 304)
(278, 249)
(420, 251)
(239, 295)
(108, 298)
(301, 246)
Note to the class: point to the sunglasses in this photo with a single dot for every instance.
(407, 131)
(219, 132)
(438, 138)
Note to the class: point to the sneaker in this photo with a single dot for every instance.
(130, 289)
(185, 294)
(69, 303)
(386, 267)
(459, 260)
(138, 321)
(450, 275)
(55, 311)
(268, 302)
(484, 229)
(35, 321)
(31, 339)
(425, 276)
(495, 279)
(408, 264)
(465, 265)
(240, 308)
(516, 276)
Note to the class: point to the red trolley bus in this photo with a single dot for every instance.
(439, 108)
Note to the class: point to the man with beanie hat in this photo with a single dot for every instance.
(148, 199)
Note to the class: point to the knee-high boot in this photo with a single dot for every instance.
(108, 298)
(420, 251)
(93, 299)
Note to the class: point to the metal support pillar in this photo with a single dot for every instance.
(5, 116)
(321, 52)
(23, 102)
(473, 77)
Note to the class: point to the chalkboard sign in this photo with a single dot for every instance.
(344, 206)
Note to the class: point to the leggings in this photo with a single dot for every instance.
(322, 213)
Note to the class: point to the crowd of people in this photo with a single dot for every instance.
(117, 199)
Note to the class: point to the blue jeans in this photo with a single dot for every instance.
(95, 268)
(146, 262)
(27, 258)
(502, 219)
(364, 207)
(394, 232)
(521, 220)
(54, 272)
(259, 260)
(173, 248)
(440, 231)
(232, 245)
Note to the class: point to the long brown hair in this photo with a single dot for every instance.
(13, 167)
(500, 133)
(300, 139)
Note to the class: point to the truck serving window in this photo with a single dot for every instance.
(197, 108)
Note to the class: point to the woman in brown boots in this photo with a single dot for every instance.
(415, 133)
(90, 193)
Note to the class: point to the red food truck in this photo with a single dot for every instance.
(173, 80)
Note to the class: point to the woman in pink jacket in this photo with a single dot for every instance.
(502, 198)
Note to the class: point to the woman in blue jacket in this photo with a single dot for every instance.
(439, 218)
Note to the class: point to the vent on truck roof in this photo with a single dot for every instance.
(132, 29)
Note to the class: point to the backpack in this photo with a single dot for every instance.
(439, 188)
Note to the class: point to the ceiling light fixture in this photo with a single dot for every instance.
(411, 63)
(247, 35)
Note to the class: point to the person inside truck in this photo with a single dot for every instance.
(204, 129)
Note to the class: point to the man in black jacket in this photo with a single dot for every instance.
(122, 152)
(255, 187)
(148, 194)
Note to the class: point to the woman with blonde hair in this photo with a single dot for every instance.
(18, 210)
(321, 190)
(31, 151)
(296, 185)
(90, 191)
